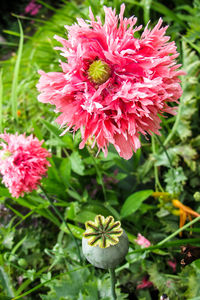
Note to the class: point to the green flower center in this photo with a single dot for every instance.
(6, 154)
(103, 232)
(99, 72)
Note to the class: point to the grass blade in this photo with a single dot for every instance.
(47, 5)
(13, 98)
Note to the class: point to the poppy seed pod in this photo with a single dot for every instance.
(105, 243)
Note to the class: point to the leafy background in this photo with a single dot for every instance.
(38, 259)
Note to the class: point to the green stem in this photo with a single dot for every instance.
(24, 218)
(157, 181)
(165, 150)
(169, 159)
(178, 231)
(165, 245)
(174, 128)
(178, 116)
(63, 220)
(113, 281)
(99, 175)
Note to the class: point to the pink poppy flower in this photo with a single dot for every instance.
(144, 284)
(142, 241)
(22, 162)
(113, 85)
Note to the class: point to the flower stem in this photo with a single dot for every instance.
(98, 174)
(157, 181)
(179, 230)
(63, 220)
(167, 155)
(165, 151)
(113, 281)
(180, 108)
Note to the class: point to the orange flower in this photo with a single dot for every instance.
(184, 212)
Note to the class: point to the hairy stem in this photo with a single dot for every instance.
(113, 281)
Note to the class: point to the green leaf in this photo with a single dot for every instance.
(48, 215)
(160, 252)
(196, 265)
(133, 202)
(54, 130)
(175, 179)
(84, 216)
(4, 192)
(37, 131)
(65, 171)
(74, 194)
(77, 231)
(77, 163)
(8, 240)
(6, 284)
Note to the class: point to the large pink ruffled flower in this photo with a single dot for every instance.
(22, 162)
(113, 85)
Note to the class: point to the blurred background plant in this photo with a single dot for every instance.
(38, 259)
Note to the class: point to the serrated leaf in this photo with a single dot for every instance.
(8, 240)
(175, 179)
(133, 202)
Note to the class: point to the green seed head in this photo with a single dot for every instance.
(99, 72)
(103, 232)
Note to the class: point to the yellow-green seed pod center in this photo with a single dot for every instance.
(99, 72)
(6, 154)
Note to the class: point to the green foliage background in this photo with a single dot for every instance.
(38, 259)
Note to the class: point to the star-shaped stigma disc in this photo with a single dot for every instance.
(103, 232)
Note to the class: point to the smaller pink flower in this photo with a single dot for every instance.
(22, 162)
(172, 264)
(32, 8)
(142, 241)
(144, 284)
